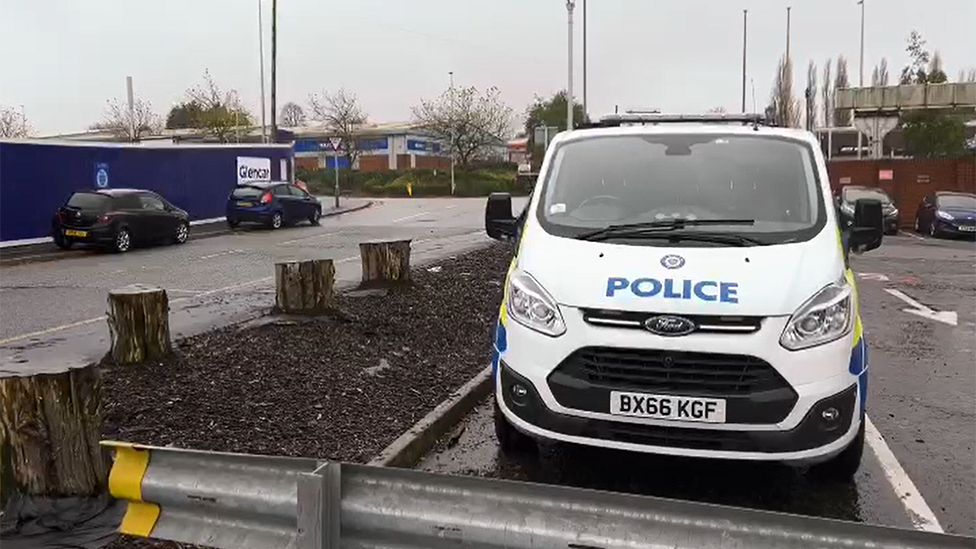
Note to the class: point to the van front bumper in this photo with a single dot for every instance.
(811, 441)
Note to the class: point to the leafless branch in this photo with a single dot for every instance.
(342, 115)
(470, 122)
(13, 124)
(130, 125)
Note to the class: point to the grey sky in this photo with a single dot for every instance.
(62, 59)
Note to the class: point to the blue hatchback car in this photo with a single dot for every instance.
(271, 204)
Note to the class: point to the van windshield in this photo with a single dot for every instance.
(768, 185)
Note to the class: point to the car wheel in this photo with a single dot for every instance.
(276, 221)
(62, 241)
(511, 440)
(918, 227)
(844, 465)
(123, 241)
(316, 215)
(182, 232)
(232, 223)
(933, 229)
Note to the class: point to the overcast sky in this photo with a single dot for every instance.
(62, 59)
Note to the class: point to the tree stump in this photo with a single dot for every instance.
(138, 319)
(50, 425)
(385, 263)
(304, 287)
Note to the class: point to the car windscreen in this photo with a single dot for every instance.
(596, 182)
(958, 201)
(247, 192)
(853, 195)
(89, 201)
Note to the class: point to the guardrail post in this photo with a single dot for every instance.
(319, 507)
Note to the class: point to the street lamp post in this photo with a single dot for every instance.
(451, 75)
(570, 6)
(860, 138)
(585, 112)
(745, 30)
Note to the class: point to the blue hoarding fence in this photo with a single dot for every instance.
(38, 177)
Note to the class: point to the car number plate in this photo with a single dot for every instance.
(968, 228)
(245, 204)
(678, 408)
(70, 232)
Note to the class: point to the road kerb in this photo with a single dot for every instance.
(409, 447)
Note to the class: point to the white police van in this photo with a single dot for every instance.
(684, 289)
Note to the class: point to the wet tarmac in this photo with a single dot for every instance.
(922, 397)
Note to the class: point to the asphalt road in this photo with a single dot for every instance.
(51, 313)
(922, 400)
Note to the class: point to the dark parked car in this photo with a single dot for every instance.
(271, 204)
(852, 193)
(947, 213)
(119, 218)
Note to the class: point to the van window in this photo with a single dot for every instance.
(247, 192)
(89, 201)
(594, 182)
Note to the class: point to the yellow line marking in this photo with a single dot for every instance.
(125, 482)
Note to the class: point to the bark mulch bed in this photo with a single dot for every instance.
(340, 387)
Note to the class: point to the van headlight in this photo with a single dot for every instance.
(530, 305)
(825, 317)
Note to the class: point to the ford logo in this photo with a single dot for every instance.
(672, 261)
(671, 326)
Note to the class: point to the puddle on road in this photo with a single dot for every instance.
(471, 450)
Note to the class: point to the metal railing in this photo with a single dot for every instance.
(255, 502)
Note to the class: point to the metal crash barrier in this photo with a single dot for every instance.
(236, 501)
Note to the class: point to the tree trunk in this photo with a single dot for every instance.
(305, 287)
(50, 425)
(385, 263)
(138, 318)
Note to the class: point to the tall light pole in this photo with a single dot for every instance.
(745, 31)
(788, 8)
(861, 67)
(274, 72)
(264, 125)
(451, 75)
(570, 6)
(585, 112)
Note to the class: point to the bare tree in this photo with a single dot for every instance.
(936, 74)
(13, 124)
(970, 75)
(343, 116)
(130, 125)
(783, 105)
(292, 115)
(880, 76)
(472, 123)
(811, 95)
(221, 115)
(842, 117)
(827, 92)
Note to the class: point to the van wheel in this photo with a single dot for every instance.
(123, 241)
(511, 440)
(844, 466)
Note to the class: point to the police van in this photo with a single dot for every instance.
(681, 286)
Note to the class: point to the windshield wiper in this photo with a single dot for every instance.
(650, 227)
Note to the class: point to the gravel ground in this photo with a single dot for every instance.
(341, 387)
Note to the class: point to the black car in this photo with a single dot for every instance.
(947, 213)
(852, 193)
(271, 204)
(117, 219)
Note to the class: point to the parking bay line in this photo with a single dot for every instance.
(906, 233)
(919, 512)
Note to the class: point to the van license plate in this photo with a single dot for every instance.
(677, 408)
(70, 232)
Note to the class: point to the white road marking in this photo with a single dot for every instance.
(410, 217)
(873, 276)
(304, 238)
(350, 258)
(218, 254)
(918, 511)
(946, 317)
(906, 233)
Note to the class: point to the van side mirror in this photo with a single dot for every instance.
(868, 229)
(499, 221)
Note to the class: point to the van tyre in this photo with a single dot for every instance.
(276, 221)
(511, 440)
(844, 465)
(123, 241)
